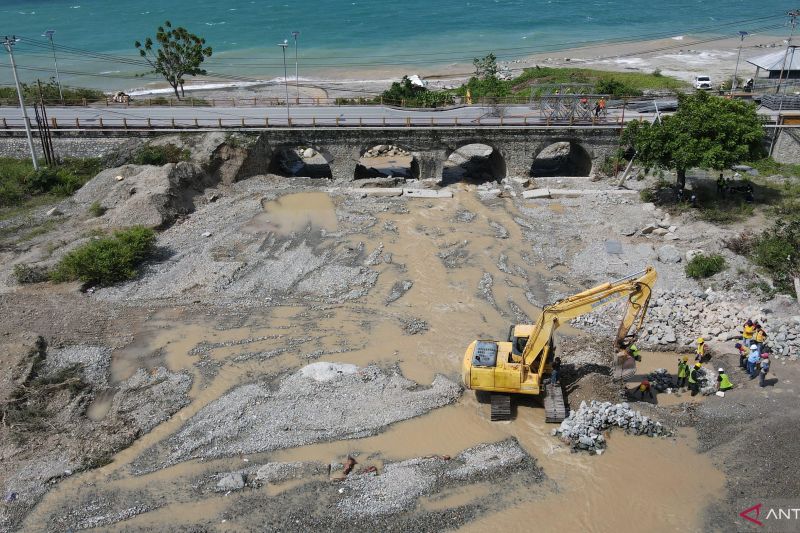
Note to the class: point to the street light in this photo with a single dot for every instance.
(742, 35)
(49, 35)
(9, 46)
(283, 46)
(296, 34)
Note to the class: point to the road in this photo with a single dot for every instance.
(134, 117)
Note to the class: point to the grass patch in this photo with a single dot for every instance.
(49, 90)
(107, 260)
(705, 266)
(160, 155)
(25, 274)
(96, 210)
(19, 182)
(604, 82)
(723, 213)
(770, 167)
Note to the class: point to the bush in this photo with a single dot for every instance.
(615, 88)
(96, 210)
(107, 260)
(30, 274)
(704, 266)
(18, 180)
(160, 155)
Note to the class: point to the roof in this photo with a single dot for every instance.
(774, 60)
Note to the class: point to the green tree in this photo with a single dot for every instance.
(175, 54)
(485, 67)
(707, 131)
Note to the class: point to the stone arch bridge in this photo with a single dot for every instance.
(517, 147)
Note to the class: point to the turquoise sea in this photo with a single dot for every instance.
(94, 38)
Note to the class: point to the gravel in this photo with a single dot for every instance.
(400, 485)
(299, 410)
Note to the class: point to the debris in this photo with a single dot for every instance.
(10, 497)
(349, 464)
(54, 212)
(206, 234)
(119, 178)
(536, 194)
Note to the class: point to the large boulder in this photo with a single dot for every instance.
(669, 254)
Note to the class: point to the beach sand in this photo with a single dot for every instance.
(681, 57)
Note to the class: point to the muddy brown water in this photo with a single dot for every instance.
(662, 482)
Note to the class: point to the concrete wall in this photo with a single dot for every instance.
(787, 146)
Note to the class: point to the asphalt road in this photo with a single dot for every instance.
(118, 116)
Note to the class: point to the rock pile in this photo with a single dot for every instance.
(385, 150)
(583, 429)
(677, 318)
(661, 380)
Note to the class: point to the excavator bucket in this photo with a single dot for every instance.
(624, 367)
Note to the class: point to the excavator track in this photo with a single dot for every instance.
(555, 408)
(501, 407)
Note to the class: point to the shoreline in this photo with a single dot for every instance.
(681, 57)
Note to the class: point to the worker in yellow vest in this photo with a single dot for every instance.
(723, 381)
(760, 336)
(683, 371)
(700, 352)
(694, 376)
(748, 331)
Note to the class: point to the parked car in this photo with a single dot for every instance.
(703, 83)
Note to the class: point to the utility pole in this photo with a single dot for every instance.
(283, 46)
(793, 15)
(9, 44)
(296, 34)
(742, 35)
(49, 35)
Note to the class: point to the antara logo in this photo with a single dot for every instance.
(753, 514)
(746, 514)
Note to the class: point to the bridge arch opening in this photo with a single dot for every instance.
(300, 161)
(474, 163)
(387, 162)
(563, 158)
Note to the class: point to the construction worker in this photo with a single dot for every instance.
(760, 336)
(742, 354)
(723, 381)
(700, 352)
(633, 350)
(748, 331)
(752, 360)
(694, 377)
(644, 388)
(683, 371)
(762, 374)
(556, 366)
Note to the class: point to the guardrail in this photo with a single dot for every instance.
(125, 123)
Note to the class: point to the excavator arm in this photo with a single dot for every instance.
(637, 287)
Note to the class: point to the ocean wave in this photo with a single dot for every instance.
(215, 23)
(26, 13)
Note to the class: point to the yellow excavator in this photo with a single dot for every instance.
(519, 365)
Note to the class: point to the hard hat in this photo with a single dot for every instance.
(721, 370)
(764, 356)
(754, 347)
(685, 358)
(701, 340)
(697, 365)
(738, 345)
